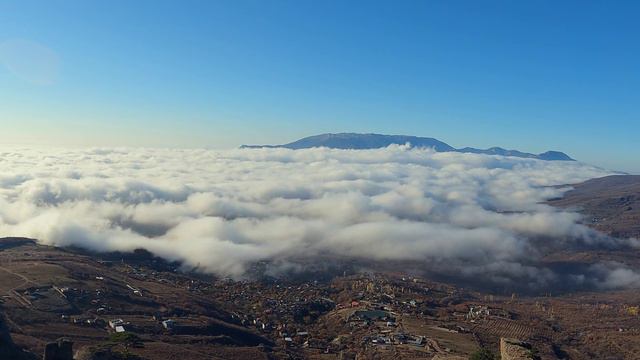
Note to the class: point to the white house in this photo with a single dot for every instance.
(115, 322)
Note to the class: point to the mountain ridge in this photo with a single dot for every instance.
(375, 141)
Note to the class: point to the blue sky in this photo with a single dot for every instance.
(531, 75)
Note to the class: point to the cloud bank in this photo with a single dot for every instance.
(221, 211)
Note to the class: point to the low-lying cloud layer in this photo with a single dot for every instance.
(221, 211)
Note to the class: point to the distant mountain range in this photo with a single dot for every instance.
(375, 141)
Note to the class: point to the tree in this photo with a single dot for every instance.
(482, 354)
(127, 340)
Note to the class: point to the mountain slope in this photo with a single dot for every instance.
(610, 204)
(374, 141)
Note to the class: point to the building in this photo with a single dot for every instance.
(115, 322)
(476, 312)
(418, 340)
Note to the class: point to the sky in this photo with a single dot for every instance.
(529, 75)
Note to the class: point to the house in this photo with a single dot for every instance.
(400, 338)
(477, 312)
(381, 340)
(418, 340)
(135, 290)
(115, 322)
(315, 344)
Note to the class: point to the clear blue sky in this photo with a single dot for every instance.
(531, 75)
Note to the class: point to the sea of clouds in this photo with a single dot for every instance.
(221, 211)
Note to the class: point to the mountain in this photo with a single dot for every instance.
(374, 141)
(549, 155)
(360, 141)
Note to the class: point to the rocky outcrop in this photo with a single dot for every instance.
(62, 349)
(8, 350)
(512, 349)
(95, 353)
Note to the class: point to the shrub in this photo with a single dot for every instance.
(482, 354)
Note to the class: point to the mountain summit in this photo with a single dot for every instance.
(375, 141)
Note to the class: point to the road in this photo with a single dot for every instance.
(19, 298)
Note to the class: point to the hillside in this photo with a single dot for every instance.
(610, 204)
(51, 292)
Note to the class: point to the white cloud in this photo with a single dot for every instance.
(613, 275)
(220, 211)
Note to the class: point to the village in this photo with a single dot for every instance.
(348, 316)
